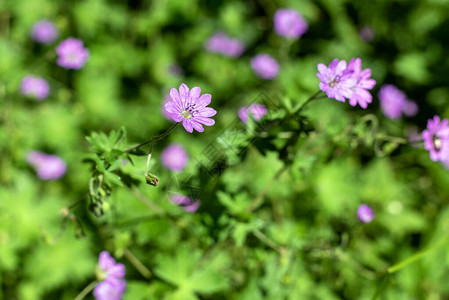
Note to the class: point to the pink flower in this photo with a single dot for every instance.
(289, 23)
(335, 81)
(188, 204)
(256, 110)
(111, 289)
(360, 94)
(190, 108)
(35, 87)
(48, 167)
(394, 103)
(72, 54)
(221, 43)
(108, 268)
(436, 139)
(166, 114)
(365, 213)
(341, 81)
(174, 157)
(44, 32)
(265, 66)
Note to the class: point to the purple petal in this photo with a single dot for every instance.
(117, 271)
(197, 126)
(184, 93)
(195, 94)
(175, 97)
(205, 121)
(105, 261)
(203, 101)
(207, 112)
(187, 125)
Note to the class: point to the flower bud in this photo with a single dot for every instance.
(152, 179)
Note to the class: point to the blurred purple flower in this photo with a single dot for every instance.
(72, 54)
(221, 43)
(44, 32)
(175, 70)
(48, 167)
(174, 157)
(289, 23)
(394, 103)
(436, 139)
(188, 107)
(265, 66)
(366, 33)
(188, 204)
(108, 267)
(365, 213)
(257, 110)
(35, 87)
(110, 289)
(335, 81)
(360, 95)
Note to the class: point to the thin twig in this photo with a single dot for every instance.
(147, 202)
(137, 264)
(86, 291)
(153, 139)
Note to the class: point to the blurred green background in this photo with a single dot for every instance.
(302, 239)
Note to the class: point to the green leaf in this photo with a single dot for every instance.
(111, 178)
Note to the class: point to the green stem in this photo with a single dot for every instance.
(148, 160)
(86, 290)
(397, 140)
(153, 139)
(137, 264)
(420, 254)
(270, 243)
(313, 97)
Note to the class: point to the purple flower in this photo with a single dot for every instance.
(365, 213)
(110, 289)
(35, 87)
(360, 95)
(175, 70)
(335, 81)
(188, 204)
(394, 103)
(221, 43)
(366, 33)
(257, 110)
(72, 54)
(189, 107)
(174, 157)
(110, 273)
(108, 268)
(289, 23)
(436, 139)
(166, 114)
(44, 32)
(265, 66)
(48, 167)
(342, 81)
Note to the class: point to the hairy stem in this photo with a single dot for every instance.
(86, 290)
(153, 139)
(313, 97)
(137, 264)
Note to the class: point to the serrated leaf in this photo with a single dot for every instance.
(111, 178)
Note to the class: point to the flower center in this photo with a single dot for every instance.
(332, 83)
(436, 143)
(187, 113)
